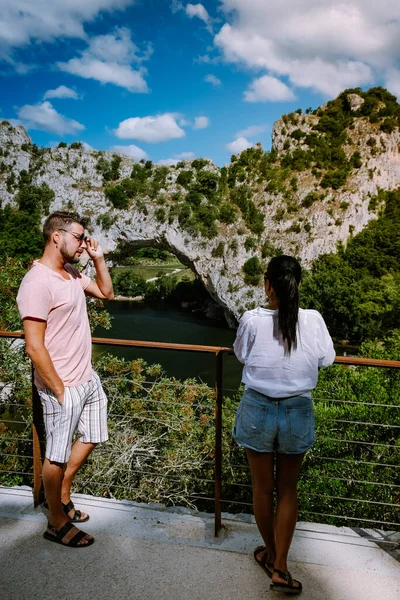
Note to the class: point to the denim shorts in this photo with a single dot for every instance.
(284, 425)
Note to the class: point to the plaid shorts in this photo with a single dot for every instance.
(84, 408)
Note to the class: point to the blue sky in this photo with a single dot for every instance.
(168, 79)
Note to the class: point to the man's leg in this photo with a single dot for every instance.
(52, 474)
(262, 477)
(92, 426)
(60, 422)
(79, 454)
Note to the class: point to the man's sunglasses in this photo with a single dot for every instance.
(81, 238)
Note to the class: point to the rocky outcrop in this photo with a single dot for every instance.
(291, 223)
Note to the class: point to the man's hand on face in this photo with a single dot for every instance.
(93, 248)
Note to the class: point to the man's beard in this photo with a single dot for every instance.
(69, 258)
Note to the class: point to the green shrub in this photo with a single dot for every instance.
(334, 179)
(253, 269)
(227, 213)
(249, 243)
(218, 251)
(117, 196)
(199, 163)
(159, 214)
(184, 178)
(310, 199)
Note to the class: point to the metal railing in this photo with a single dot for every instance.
(243, 489)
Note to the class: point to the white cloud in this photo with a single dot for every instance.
(238, 145)
(44, 116)
(252, 131)
(325, 46)
(213, 80)
(109, 59)
(87, 146)
(184, 155)
(25, 22)
(168, 162)
(150, 129)
(393, 82)
(268, 89)
(176, 158)
(201, 122)
(61, 92)
(197, 10)
(133, 151)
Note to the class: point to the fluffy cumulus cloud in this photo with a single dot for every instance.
(44, 116)
(201, 122)
(131, 150)
(321, 45)
(213, 80)
(43, 21)
(393, 82)
(61, 92)
(176, 158)
(152, 129)
(268, 89)
(197, 10)
(109, 59)
(238, 145)
(252, 131)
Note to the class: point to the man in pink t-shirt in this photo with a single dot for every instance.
(52, 305)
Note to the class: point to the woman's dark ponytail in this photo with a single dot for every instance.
(284, 274)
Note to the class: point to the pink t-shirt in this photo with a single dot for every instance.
(45, 294)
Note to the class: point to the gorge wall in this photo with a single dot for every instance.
(318, 186)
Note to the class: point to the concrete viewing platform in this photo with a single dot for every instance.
(148, 552)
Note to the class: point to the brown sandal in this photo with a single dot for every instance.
(264, 563)
(57, 536)
(288, 587)
(77, 518)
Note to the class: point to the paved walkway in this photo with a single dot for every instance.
(152, 553)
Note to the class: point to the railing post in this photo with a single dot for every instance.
(38, 446)
(218, 445)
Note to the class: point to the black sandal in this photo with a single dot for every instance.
(58, 535)
(263, 562)
(77, 518)
(287, 588)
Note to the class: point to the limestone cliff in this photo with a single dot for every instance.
(297, 199)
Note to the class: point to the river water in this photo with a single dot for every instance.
(136, 321)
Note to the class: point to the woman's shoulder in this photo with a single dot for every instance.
(257, 313)
(309, 315)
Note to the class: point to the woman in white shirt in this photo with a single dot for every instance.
(282, 348)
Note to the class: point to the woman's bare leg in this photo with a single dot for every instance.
(262, 477)
(287, 475)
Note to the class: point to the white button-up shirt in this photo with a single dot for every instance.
(266, 368)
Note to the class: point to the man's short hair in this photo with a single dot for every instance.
(60, 220)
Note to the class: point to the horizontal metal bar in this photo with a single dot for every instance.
(317, 399)
(328, 420)
(331, 478)
(16, 472)
(15, 422)
(161, 475)
(348, 480)
(16, 455)
(386, 523)
(15, 439)
(327, 497)
(358, 462)
(360, 443)
(345, 360)
(161, 345)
